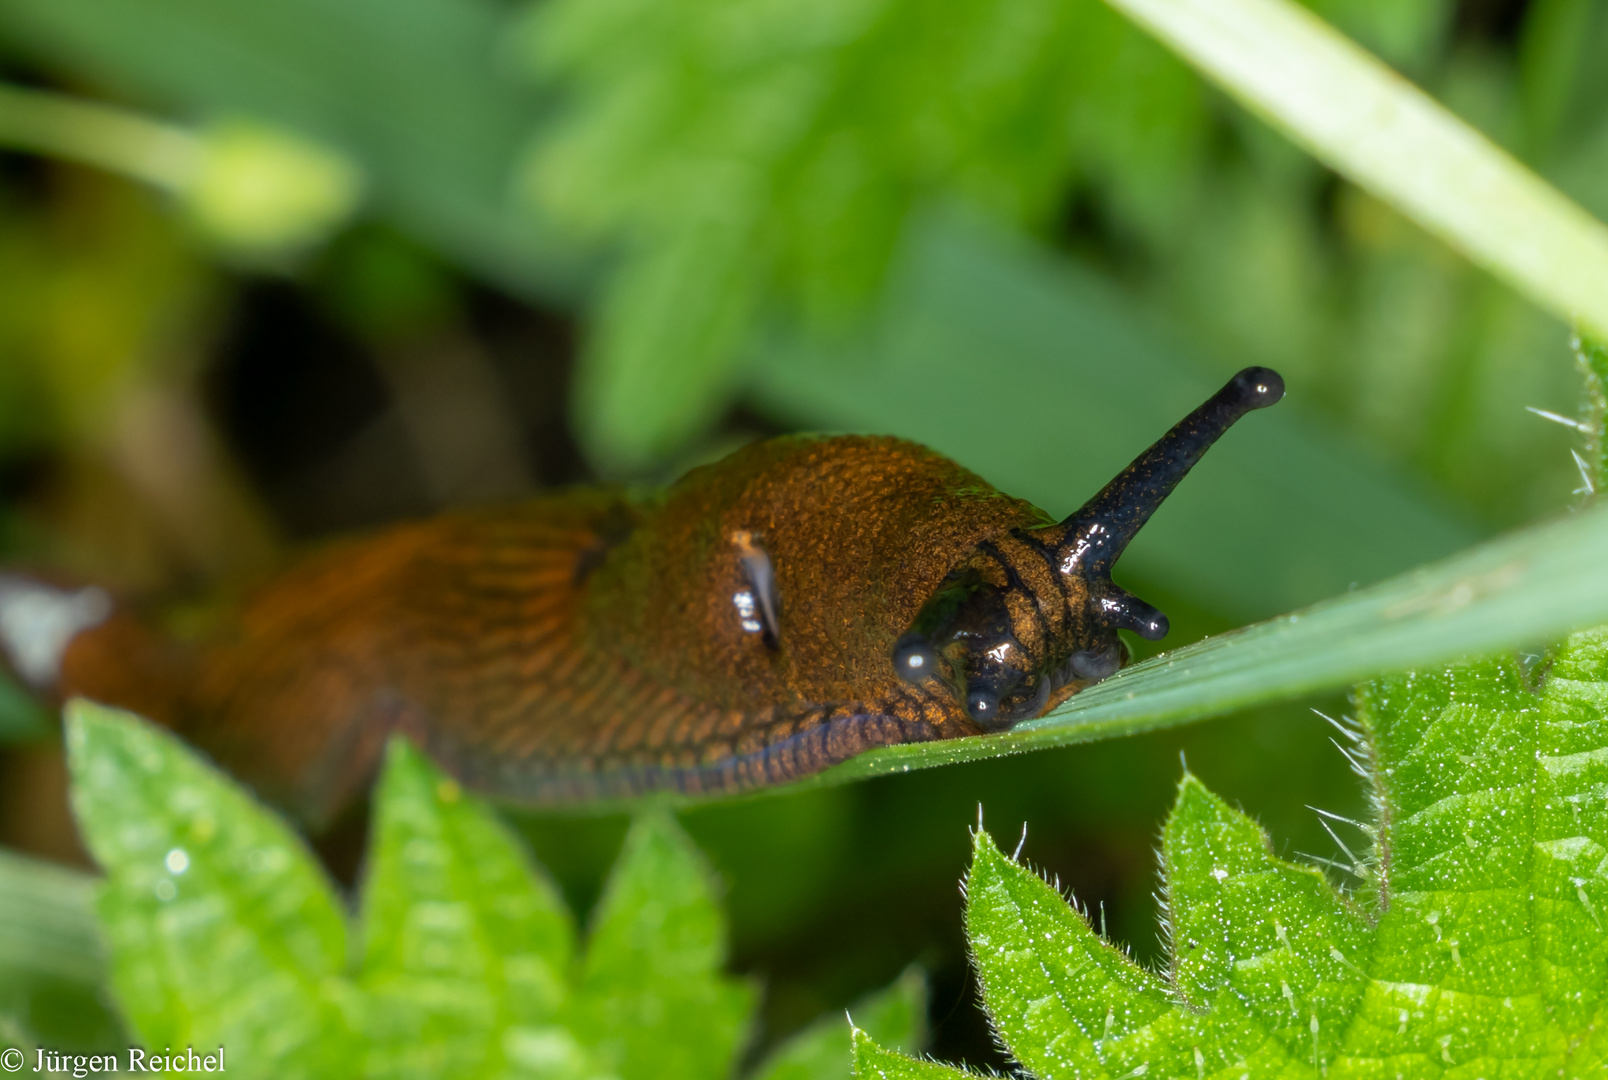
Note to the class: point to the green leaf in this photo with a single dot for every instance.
(466, 946)
(222, 928)
(895, 1017)
(872, 1062)
(52, 961)
(1056, 992)
(1476, 946)
(1372, 126)
(651, 1002)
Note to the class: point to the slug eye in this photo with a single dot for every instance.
(983, 706)
(756, 605)
(914, 659)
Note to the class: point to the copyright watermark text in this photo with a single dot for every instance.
(134, 1060)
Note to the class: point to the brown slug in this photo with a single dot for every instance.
(799, 602)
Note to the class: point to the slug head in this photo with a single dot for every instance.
(1025, 614)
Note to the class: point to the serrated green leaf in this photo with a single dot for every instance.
(223, 930)
(466, 946)
(651, 1002)
(1057, 994)
(896, 1017)
(1477, 947)
(872, 1062)
(1266, 946)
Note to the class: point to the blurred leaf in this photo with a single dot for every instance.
(222, 928)
(651, 1002)
(1564, 81)
(411, 89)
(52, 962)
(1515, 592)
(1405, 33)
(746, 156)
(21, 717)
(1369, 124)
(466, 947)
(896, 1017)
(990, 350)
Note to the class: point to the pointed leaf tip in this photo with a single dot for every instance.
(872, 1062)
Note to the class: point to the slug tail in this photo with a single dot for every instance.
(65, 641)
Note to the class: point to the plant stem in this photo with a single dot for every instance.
(1379, 130)
(114, 139)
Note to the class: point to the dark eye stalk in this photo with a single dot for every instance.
(964, 634)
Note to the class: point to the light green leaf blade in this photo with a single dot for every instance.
(1380, 131)
(52, 961)
(466, 946)
(651, 1002)
(895, 1017)
(1059, 996)
(221, 926)
(872, 1062)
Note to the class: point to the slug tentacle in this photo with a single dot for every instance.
(1095, 535)
(988, 630)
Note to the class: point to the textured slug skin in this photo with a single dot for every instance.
(585, 644)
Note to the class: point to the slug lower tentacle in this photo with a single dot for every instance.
(802, 601)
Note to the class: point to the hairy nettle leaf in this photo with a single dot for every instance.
(1475, 948)
(224, 931)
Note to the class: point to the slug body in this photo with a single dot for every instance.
(801, 601)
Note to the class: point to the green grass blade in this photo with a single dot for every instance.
(1354, 113)
(1525, 589)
